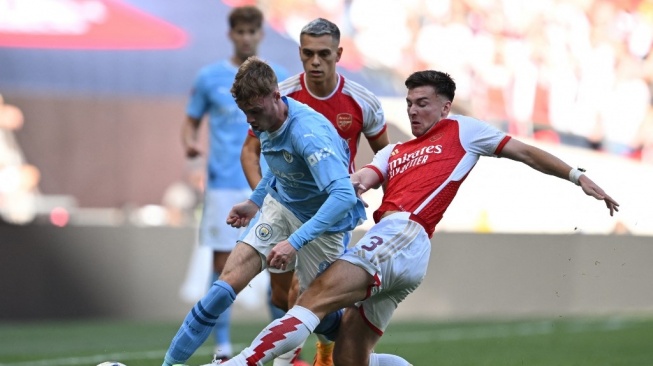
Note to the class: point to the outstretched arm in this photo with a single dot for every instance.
(341, 199)
(547, 163)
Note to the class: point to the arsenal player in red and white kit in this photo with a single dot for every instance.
(424, 174)
(352, 109)
(389, 262)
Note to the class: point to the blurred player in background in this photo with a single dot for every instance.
(226, 184)
(351, 108)
(422, 177)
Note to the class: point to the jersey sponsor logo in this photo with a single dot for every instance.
(320, 155)
(344, 121)
(400, 164)
(263, 231)
(287, 157)
(290, 178)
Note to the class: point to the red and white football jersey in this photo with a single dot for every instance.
(352, 109)
(423, 175)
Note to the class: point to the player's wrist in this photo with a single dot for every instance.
(296, 242)
(574, 175)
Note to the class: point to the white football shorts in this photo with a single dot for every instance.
(214, 230)
(396, 253)
(274, 224)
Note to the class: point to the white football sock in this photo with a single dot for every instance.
(289, 357)
(280, 336)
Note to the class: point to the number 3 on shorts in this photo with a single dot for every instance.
(375, 241)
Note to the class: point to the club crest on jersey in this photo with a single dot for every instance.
(287, 156)
(344, 121)
(263, 231)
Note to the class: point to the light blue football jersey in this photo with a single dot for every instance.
(227, 123)
(305, 156)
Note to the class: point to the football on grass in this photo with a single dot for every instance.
(111, 363)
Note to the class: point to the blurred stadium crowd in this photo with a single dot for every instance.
(573, 72)
(577, 72)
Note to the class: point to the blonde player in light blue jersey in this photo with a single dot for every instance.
(306, 202)
(225, 182)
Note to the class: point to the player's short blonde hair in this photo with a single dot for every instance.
(254, 79)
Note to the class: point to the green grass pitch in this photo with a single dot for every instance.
(577, 341)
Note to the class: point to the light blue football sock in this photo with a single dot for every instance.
(222, 330)
(275, 312)
(329, 325)
(199, 322)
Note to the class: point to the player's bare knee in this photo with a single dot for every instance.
(241, 270)
(236, 280)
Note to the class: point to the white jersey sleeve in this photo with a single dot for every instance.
(380, 161)
(373, 115)
(290, 85)
(478, 137)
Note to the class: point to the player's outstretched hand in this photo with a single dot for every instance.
(592, 189)
(360, 189)
(242, 213)
(281, 255)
